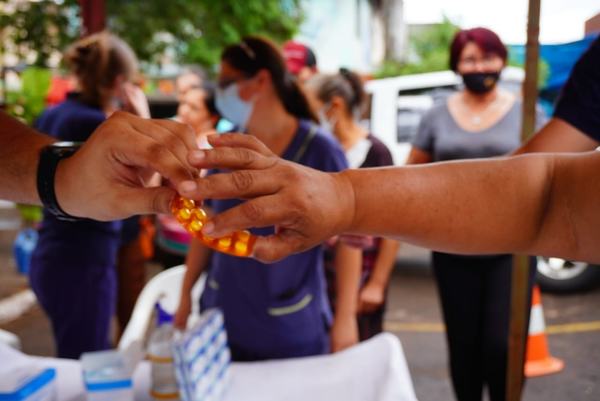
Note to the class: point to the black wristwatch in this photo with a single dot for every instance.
(46, 171)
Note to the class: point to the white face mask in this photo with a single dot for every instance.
(232, 107)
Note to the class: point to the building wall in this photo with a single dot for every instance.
(593, 24)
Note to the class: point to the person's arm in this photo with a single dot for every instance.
(348, 265)
(105, 179)
(195, 262)
(558, 136)
(538, 204)
(19, 153)
(372, 295)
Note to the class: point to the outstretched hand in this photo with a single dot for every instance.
(107, 178)
(306, 206)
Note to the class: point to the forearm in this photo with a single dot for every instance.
(480, 206)
(348, 265)
(196, 261)
(384, 264)
(19, 153)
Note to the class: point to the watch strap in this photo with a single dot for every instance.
(50, 156)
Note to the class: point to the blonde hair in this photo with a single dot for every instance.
(97, 60)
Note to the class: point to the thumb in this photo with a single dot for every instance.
(148, 200)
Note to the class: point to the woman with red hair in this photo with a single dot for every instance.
(481, 120)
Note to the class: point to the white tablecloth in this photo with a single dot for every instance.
(374, 370)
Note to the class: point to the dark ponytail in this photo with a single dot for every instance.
(346, 84)
(253, 54)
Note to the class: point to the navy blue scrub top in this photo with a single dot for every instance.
(276, 310)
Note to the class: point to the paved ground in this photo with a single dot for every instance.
(415, 317)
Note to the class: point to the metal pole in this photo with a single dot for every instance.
(519, 304)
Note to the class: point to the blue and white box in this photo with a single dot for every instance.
(202, 359)
(28, 382)
(107, 376)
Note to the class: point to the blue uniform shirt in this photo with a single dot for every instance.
(579, 103)
(277, 310)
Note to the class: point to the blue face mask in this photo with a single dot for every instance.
(232, 107)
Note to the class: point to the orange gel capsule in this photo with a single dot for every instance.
(192, 217)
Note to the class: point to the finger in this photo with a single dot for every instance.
(235, 140)
(166, 138)
(230, 158)
(272, 248)
(259, 212)
(147, 200)
(240, 184)
(145, 153)
(182, 131)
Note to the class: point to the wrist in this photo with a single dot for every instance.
(345, 187)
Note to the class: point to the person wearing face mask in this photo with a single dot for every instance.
(72, 269)
(482, 120)
(277, 310)
(339, 99)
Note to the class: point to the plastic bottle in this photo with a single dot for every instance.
(160, 355)
(23, 247)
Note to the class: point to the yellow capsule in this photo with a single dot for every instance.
(184, 214)
(241, 248)
(195, 226)
(224, 243)
(188, 203)
(243, 235)
(200, 214)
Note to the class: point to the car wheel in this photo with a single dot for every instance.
(563, 276)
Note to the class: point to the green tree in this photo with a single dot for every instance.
(428, 51)
(196, 30)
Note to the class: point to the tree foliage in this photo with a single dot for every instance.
(428, 51)
(195, 30)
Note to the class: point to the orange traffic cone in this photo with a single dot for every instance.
(539, 362)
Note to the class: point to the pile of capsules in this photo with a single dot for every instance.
(192, 217)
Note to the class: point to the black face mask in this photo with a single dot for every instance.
(481, 82)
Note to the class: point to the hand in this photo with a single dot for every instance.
(135, 100)
(307, 206)
(344, 333)
(106, 179)
(183, 312)
(371, 297)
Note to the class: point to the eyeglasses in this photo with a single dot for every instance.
(225, 82)
(486, 61)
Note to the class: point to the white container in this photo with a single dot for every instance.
(160, 355)
(28, 382)
(107, 376)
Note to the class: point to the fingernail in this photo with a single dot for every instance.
(196, 156)
(188, 186)
(208, 228)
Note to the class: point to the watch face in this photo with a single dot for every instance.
(64, 148)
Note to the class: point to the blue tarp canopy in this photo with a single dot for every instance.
(560, 58)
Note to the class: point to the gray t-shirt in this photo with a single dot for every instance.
(440, 136)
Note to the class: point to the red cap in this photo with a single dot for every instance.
(298, 56)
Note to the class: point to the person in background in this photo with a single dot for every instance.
(73, 266)
(339, 99)
(198, 110)
(191, 77)
(482, 120)
(278, 310)
(300, 60)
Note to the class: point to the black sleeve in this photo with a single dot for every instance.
(379, 155)
(579, 103)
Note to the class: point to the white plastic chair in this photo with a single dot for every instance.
(164, 288)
